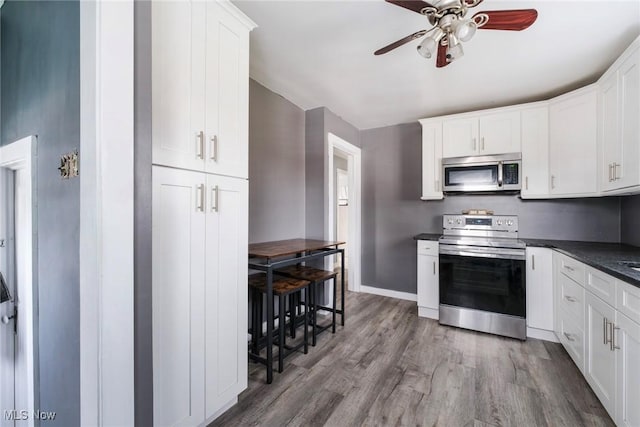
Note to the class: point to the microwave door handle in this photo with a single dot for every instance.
(499, 174)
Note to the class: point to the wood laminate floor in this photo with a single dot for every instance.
(389, 367)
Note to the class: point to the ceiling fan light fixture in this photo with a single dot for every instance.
(465, 29)
(429, 45)
(454, 48)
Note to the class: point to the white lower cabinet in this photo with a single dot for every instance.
(609, 310)
(539, 289)
(600, 358)
(199, 294)
(428, 279)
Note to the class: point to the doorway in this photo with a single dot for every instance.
(17, 391)
(343, 207)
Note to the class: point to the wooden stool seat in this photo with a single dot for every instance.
(307, 273)
(281, 285)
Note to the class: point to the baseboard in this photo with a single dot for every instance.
(389, 293)
(541, 334)
(430, 313)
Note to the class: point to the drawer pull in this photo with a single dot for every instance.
(569, 337)
(570, 299)
(604, 330)
(568, 267)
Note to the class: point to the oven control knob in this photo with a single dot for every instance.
(509, 223)
(450, 221)
(459, 221)
(499, 222)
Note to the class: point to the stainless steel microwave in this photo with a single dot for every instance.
(482, 173)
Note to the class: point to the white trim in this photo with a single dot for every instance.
(541, 334)
(19, 156)
(237, 13)
(429, 313)
(389, 293)
(354, 241)
(220, 411)
(106, 223)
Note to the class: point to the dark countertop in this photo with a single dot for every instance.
(606, 257)
(427, 236)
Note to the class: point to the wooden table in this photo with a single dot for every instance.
(268, 256)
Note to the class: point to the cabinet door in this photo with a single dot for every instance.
(535, 152)
(500, 133)
(432, 161)
(460, 137)
(227, 93)
(627, 173)
(226, 290)
(600, 360)
(540, 288)
(428, 281)
(628, 372)
(609, 136)
(178, 297)
(178, 70)
(573, 145)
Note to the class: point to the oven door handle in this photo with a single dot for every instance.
(476, 252)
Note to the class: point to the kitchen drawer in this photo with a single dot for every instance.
(601, 285)
(628, 300)
(572, 338)
(571, 298)
(428, 247)
(571, 268)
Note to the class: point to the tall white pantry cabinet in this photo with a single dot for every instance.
(200, 81)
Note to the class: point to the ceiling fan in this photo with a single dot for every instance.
(450, 26)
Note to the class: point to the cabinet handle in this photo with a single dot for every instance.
(568, 267)
(475, 146)
(526, 182)
(553, 182)
(214, 148)
(615, 171)
(215, 191)
(434, 267)
(569, 337)
(570, 298)
(533, 262)
(613, 328)
(482, 144)
(610, 172)
(200, 197)
(604, 330)
(200, 147)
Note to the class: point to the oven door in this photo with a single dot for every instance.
(484, 279)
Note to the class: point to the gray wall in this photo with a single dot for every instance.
(143, 344)
(276, 166)
(40, 49)
(630, 220)
(392, 212)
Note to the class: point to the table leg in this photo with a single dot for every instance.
(269, 326)
(342, 284)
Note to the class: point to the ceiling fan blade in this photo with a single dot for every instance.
(441, 60)
(512, 20)
(400, 42)
(413, 5)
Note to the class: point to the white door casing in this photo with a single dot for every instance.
(18, 157)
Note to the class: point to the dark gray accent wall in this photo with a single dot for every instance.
(276, 166)
(143, 333)
(40, 80)
(630, 220)
(392, 212)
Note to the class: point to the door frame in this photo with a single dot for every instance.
(354, 161)
(19, 155)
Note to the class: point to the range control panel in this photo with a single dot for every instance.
(508, 223)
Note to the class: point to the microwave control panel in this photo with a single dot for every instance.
(511, 173)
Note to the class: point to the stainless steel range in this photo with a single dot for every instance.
(482, 274)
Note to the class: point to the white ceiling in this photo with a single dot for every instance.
(320, 53)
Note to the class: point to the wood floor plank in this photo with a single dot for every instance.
(389, 367)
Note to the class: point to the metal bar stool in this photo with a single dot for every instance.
(282, 287)
(316, 276)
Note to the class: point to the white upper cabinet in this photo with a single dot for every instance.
(431, 160)
(200, 86)
(573, 144)
(619, 122)
(497, 133)
(535, 152)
